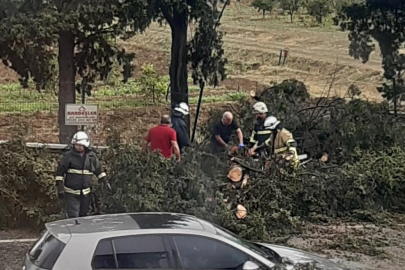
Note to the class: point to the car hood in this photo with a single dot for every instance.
(296, 256)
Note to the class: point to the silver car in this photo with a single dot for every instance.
(154, 241)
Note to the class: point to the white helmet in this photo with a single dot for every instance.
(271, 122)
(260, 107)
(183, 108)
(81, 138)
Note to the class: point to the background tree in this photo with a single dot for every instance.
(291, 6)
(319, 9)
(384, 22)
(83, 32)
(204, 50)
(264, 6)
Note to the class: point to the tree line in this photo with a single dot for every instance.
(318, 9)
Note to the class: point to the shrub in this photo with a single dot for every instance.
(151, 84)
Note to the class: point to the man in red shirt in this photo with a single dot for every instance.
(163, 139)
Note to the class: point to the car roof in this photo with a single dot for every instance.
(135, 222)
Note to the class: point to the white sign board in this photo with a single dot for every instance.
(81, 114)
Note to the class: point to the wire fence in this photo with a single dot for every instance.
(38, 121)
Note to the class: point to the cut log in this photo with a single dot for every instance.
(241, 212)
(235, 174)
(324, 158)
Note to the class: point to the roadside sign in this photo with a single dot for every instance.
(81, 114)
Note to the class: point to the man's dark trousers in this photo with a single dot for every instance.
(77, 205)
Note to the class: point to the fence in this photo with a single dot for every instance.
(37, 121)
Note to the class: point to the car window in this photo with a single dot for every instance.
(132, 252)
(238, 240)
(104, 255)
(46, 251)
(204, 253)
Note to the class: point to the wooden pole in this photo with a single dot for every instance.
(202, 86)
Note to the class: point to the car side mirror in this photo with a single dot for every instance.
(250, 266)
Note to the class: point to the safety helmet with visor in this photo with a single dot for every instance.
(271, 123)
(260, 108)
(183, 108)
(81, 138)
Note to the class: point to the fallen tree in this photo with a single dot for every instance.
(362, 176)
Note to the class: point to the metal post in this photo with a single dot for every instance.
(202, 86)
(84, 85)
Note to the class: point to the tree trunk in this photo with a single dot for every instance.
(264, 14)
(67, 92)
(395, 97)
(178, 63)
(291, 16)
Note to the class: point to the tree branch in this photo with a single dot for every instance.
(166, 13)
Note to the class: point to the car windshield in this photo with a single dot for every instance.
(236, 239)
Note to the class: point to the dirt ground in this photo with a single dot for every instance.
(363, 246)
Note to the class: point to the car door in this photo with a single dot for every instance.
(133, 252)
(199, 252)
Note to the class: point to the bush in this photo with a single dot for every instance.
(27, 186)
(151, 84)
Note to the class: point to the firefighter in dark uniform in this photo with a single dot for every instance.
(74, 176)
(179, 125)
(260, 134)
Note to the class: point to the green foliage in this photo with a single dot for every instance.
(151, 84)
(319, 9)
(291, 6)
(384, 22)
(27, 186)
(28, 31)
(264, 5)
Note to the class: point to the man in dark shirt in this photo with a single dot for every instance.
(223, 131)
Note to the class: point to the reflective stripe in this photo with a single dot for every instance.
(73, 171)
(252, 137)
(59, 178)
(102, 175)
(77, 192)
(279, 150)
(263, 132)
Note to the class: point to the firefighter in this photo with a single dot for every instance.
(281, 141)
(259, 134)
(75, 174)
(179, 125)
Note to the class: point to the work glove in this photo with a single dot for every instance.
(241, 145)
(107, 185)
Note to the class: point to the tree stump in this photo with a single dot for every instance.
(235, 174)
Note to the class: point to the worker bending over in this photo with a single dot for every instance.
(281, 141)
(223, 131)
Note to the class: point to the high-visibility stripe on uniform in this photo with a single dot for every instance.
(252, 138)
(102, 175)
(77, 192)
(59, 178)
(290, 141)
(73, 171)
(279, 150)
(264, 132)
